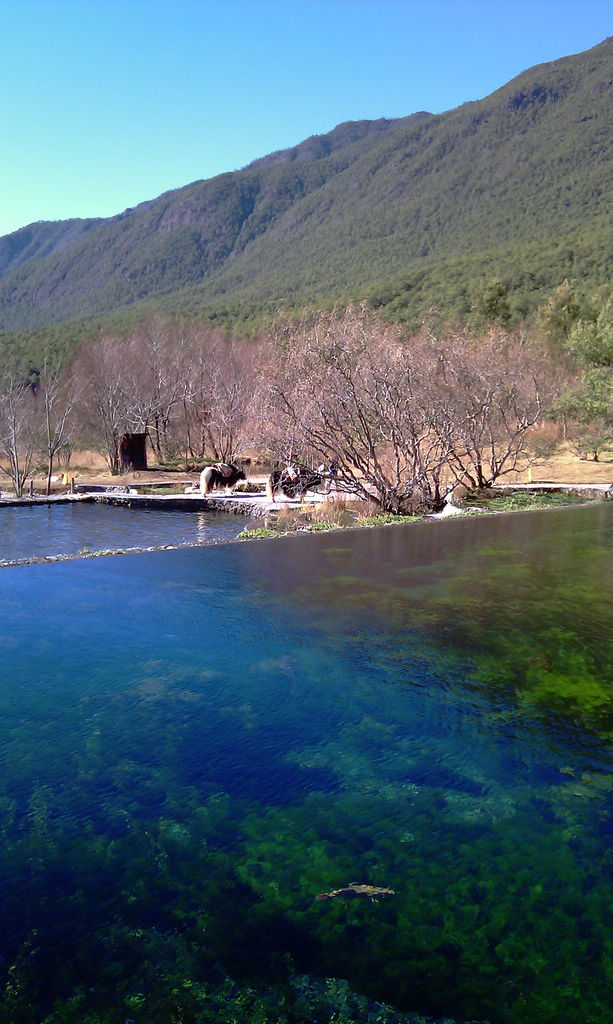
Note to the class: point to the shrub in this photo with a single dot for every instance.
(248, 487)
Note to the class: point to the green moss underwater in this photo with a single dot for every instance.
(426, 709)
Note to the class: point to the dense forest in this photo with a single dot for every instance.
(412, 215)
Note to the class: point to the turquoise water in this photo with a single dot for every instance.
(49, 531)
(197, 743)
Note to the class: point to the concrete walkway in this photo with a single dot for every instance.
(255, 504)
(581, 490)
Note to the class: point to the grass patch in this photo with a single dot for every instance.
(161, 490)
(248, 487)
(516, 501)
(192, 465)
(386, 519)
(322, 527)
(260, 533)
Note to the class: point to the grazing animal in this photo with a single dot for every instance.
(293, 482)
(219, 476)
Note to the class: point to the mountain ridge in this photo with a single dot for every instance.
(340, 214)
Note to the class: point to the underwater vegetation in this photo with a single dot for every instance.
(225, 734)
(514, 501)
(534, 625)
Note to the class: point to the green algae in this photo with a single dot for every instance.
(206, 896)
(258, 533)
(525, 622)
(515, 501)
(490, 910)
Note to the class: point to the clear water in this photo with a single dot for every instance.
(49, 531)
(197, 743)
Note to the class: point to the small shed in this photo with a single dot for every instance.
(133, 452)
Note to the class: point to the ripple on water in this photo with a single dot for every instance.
(54, 532)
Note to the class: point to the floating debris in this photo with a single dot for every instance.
(373, 892)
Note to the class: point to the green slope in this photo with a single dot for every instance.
(410, 212)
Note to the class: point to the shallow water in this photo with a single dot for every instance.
(43, 531)
(197, 743)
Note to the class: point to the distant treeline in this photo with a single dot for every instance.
(403, 415)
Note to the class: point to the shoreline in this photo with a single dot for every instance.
(257, 502)
(246, 504)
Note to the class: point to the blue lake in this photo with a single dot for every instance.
(48, 531)
(198, 743)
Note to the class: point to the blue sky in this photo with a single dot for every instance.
(107, 103)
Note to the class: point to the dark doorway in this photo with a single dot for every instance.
(133, 452)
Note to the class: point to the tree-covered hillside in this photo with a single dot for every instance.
(412, 214)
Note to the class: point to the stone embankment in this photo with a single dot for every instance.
(588, 491)
(255, 504)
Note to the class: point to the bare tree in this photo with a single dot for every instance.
(199, 349)
(18, 427)
(154, 381)
(231, 391)
(404, 419)
(495, 393)
(56, 400)
(216, 390)
(351, 391)
(104, 409)
(190, 360)
(189, 389)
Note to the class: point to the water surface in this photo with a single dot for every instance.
(48, 531)
(197, 743)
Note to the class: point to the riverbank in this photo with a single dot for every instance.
(563, 480)
(256, 503)
(89, 470)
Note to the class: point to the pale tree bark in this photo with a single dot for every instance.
(351, 392)
(231, 397)
(196, 395)
(19, 428)
(403, 419)
(214, 410)
(496, 389)
(198, 362)
(56, 399)
(155, 367)
(104, 408)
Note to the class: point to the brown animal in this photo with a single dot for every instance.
(373, 892)
(293, 482)
(222, 474)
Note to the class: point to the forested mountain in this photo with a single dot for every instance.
(409, 213)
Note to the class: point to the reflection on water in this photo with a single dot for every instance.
(50, 530)
(197, 743)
